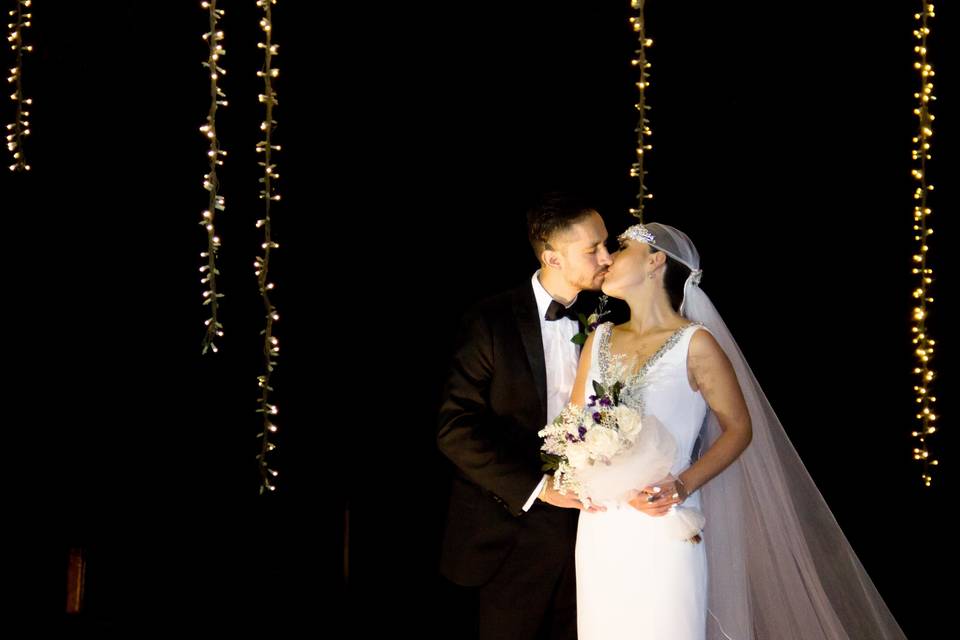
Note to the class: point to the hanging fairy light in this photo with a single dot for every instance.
(213, 38)
(643, 125)
(271, 346)
(20, 127)
(923, 343)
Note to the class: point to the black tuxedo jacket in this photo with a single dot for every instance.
(494, 403)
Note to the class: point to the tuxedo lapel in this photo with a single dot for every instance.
(528, 323)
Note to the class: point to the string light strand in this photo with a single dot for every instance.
(20, 127)
(271, 346)
(213, 38)
(923, 343)
(643, 124)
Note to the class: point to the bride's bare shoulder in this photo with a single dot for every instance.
(704, 345)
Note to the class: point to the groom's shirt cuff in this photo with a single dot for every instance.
(533, 496)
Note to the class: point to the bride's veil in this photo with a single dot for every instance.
(779, 566)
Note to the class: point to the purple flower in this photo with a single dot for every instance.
(571, 438)
(593, 401)
(593, 326)
(596, 416)
(606, 402)
(583, 432)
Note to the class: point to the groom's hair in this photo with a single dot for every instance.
(555, 212)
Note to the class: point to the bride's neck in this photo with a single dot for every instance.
(651, 312)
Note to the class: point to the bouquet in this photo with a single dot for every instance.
(606, 451)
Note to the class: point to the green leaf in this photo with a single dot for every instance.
(579, 339)
(615, 392)
(599, 389)
(551, 462)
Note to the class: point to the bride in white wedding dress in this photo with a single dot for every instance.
(773, 563)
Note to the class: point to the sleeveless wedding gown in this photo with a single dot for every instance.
(634, 580)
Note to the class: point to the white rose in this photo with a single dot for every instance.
(602, 443)
(577, 455)
(628, 420)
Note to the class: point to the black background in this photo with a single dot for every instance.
(413, 139)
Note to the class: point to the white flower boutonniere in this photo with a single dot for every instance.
(591, 322)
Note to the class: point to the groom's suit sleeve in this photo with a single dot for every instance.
(485, 447)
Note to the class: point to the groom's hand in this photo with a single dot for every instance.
(568, 501)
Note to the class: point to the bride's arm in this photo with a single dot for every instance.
(715, 377)
(583, 370)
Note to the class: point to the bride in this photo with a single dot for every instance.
(773, 563)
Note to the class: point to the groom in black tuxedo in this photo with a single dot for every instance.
(509, 538)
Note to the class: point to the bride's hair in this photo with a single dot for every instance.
(674, 277)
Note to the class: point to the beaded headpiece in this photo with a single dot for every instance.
(639, 233)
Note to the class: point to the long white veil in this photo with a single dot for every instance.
(780, 567)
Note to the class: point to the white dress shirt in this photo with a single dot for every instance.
(560, 357)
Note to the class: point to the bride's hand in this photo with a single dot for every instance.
(656, 499)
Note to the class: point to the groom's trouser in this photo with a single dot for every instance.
(532, 596)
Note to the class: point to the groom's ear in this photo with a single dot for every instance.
(550, 258)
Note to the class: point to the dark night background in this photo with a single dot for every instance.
(413, 139)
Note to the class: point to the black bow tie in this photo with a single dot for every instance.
(556, 311)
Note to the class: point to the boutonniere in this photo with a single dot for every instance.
(591, 322)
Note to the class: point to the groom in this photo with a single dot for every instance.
(509, 538)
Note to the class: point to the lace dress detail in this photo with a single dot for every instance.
(620, 366)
